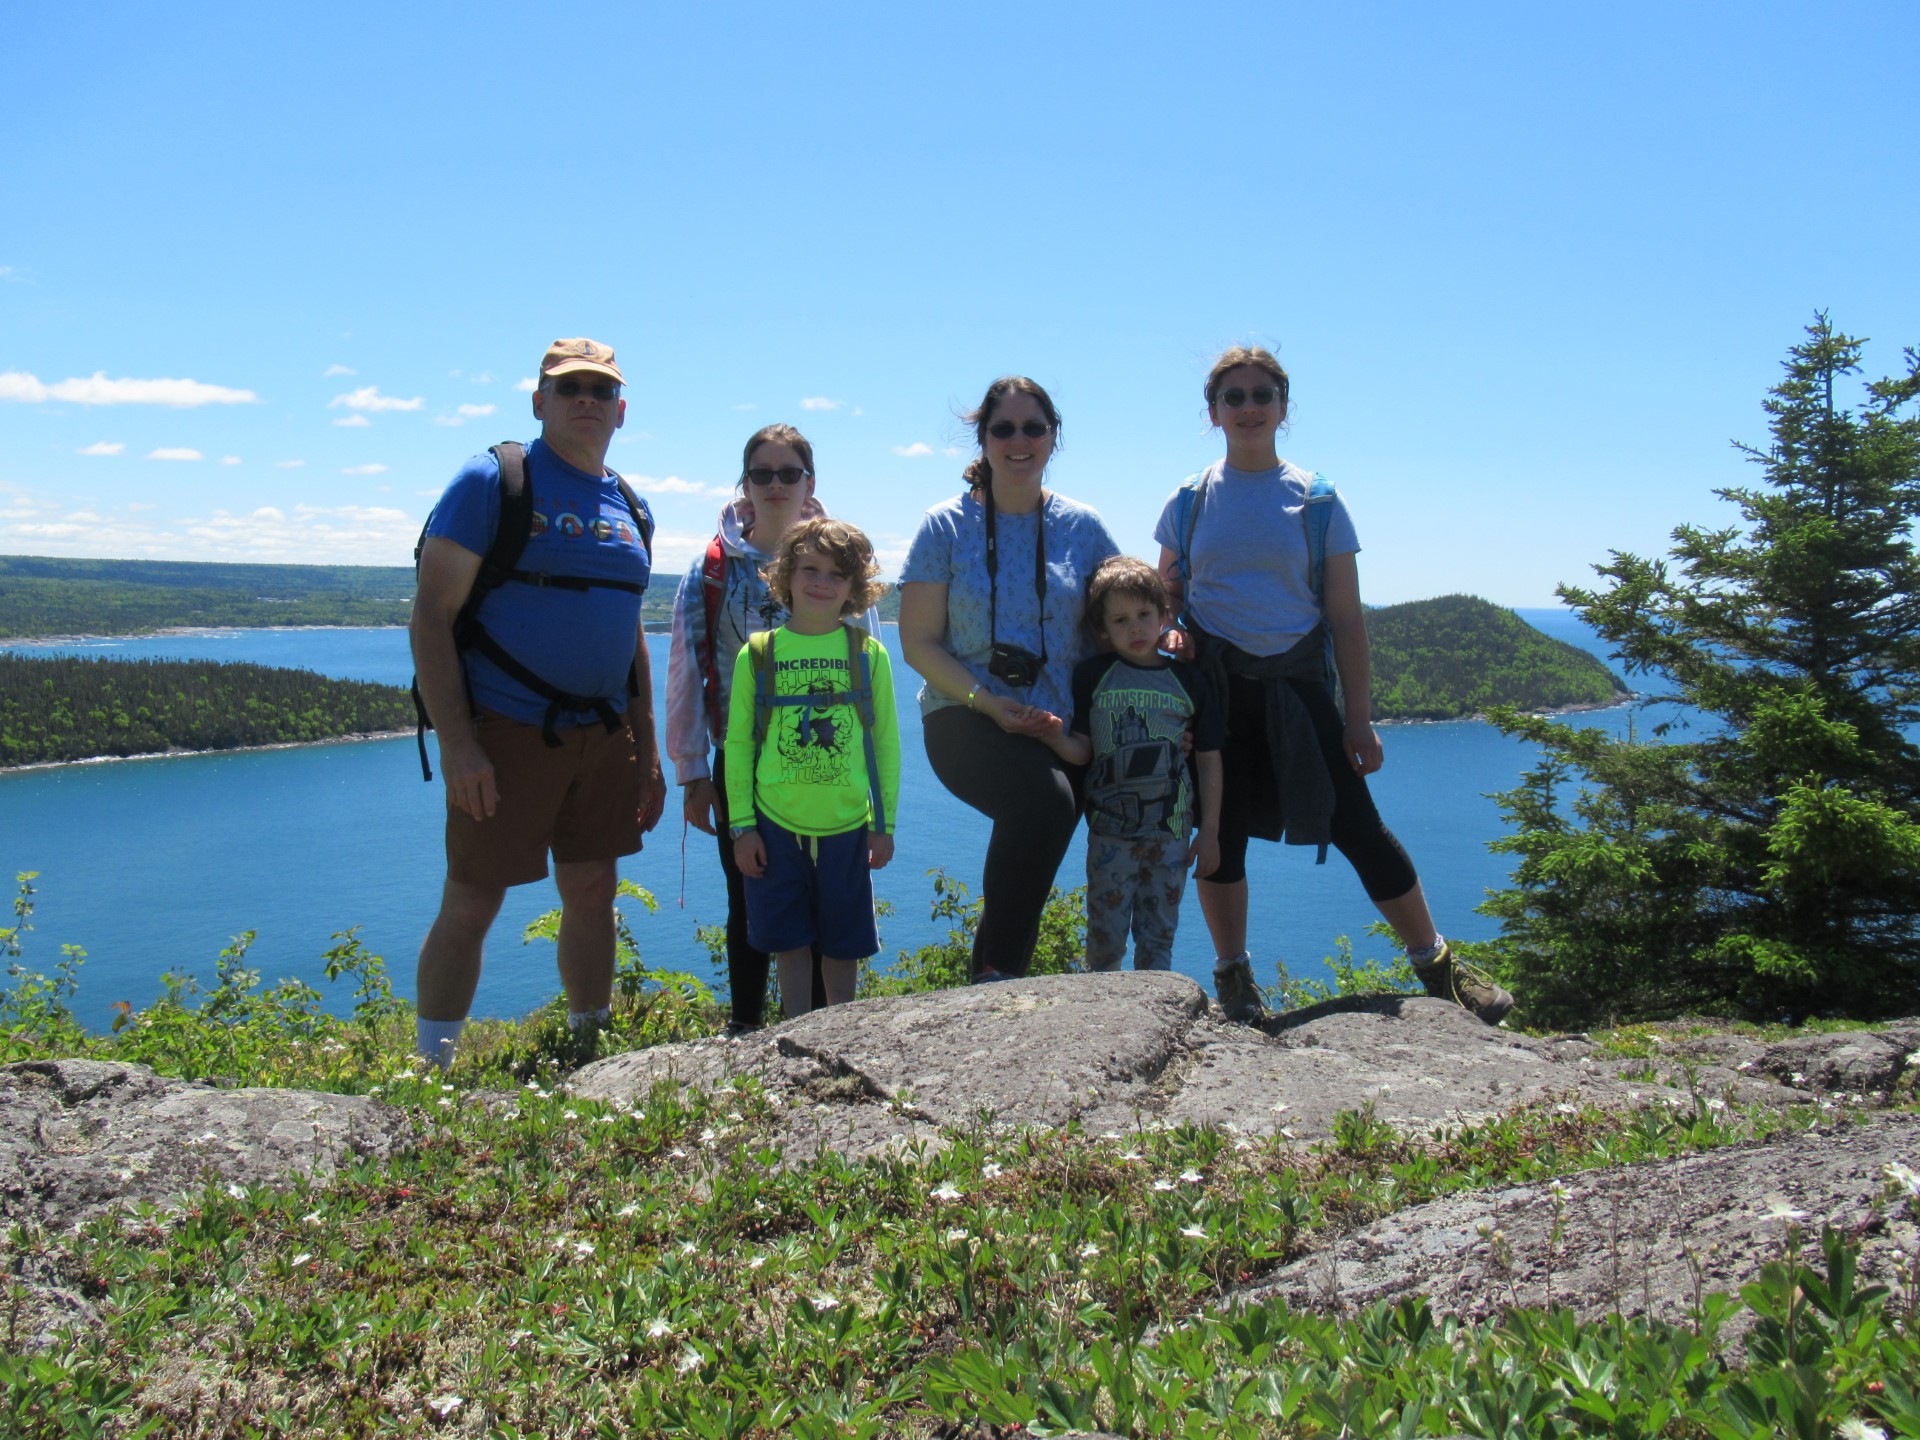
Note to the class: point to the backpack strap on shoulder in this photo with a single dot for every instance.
(706, 647)
(857, 665)
(1186, 515)
(1319, 518)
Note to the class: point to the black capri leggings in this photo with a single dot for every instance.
(1358, 832)
(1033, 798)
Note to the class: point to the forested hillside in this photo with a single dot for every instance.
(1455, 656)
(41, 596)
(71, 708)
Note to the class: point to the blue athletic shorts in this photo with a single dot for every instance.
(818, 889)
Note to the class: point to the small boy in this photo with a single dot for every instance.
(813, 764)
(1130, 708)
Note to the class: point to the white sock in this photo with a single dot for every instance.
(577, 1018)
(1427, 954)
(1230, 961)
(433, 1040)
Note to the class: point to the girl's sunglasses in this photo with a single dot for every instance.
(1236, 397)
(1032, 429)
(786, 475)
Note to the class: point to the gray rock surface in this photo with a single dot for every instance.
(1121, 1051)
(1638, 1239)
(78, 1137)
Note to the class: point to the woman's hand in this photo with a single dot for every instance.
(698, 804)
(1362, 747)
(1177, 643)
(1013, 717)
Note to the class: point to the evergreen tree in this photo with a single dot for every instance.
(1766, 861)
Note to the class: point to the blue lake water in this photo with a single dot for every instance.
(154, 865)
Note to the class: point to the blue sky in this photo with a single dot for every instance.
(269, 273)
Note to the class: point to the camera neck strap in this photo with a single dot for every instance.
(993, 567)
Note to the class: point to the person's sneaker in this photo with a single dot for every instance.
(990, 976)
(1239, 994)
(739, 1029)
(1447, 977)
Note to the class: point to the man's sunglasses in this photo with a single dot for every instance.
(786, 475)
(1032, 429)
(568, 388)
(1236, 397)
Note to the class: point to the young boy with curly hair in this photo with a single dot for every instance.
(813, 764)
(1147, 820)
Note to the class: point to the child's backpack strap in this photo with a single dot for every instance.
(706, 649)
(1186, 514)
(863, 702)
(1319, 515)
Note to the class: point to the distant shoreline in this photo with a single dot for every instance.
(189, 754)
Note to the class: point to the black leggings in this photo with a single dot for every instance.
(1033, 798)
(747, 968)
(1358, 832)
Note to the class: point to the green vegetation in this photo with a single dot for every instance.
(55, 708)
(1455, 656)
(42, 596)
(555, 1267)
(1772, 867)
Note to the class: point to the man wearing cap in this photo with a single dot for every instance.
(528, 773)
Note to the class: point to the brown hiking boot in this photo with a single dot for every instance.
(1239, 993)
(1449, 978)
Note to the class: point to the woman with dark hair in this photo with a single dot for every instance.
(723, 600)
(991, 598)
(1265, 558)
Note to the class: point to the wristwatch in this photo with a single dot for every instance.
(738, 830)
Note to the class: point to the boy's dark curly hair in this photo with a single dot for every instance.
(846, 545)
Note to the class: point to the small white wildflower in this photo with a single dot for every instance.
(1826, 1105)
(446, 1089)
(687, 1247)
(210, 1135)
(444, 1405)
(444, 1103)
(1089, 1251)
(1780, 1210)
(1744, 1065)
(1286, 1132)
(608, 1120)
(1130, 1155)
(1903, 1176)
(955, 1235)
(1858, 1429)
(303, 1257)
(824, 1301)
(312, 1217)
(1563, 1108)
(676, 1154)
(1192, 1177)
(1386, 1090)
(238, 1192)
(533, 1085)
(1109, 1134)
(1797, 1078)
(583, 1248)
(734, 1117)
(632, 1207)
(1194, 1232)
(658, 1330)
(1243, 1145)
(948, 1191)
(1163, 1184)
(406, 1074)
(756, 1262)
(570, 1115)
(689, 1359)
(1558, 1190)
(1281, 1108)
(990, 1169)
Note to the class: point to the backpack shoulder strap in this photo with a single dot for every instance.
(1319, 516)
(641, 512)
(516, 512)
(857, 665)
(706, 650)
(1186, 514)
(760, 656)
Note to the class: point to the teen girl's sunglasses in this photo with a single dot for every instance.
(786, 475)
(1032, 429)
(1236, 397)
(567, 388)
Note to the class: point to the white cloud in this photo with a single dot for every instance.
(229, 459)
(347, 534)
(368, 397)
(915, 450)
(364, 470)
(474, 412)
(954, 450)
(819, 402)
(746, 405)
(333, 370)
(353, 422)
(669, 485)
(526, 387)
(102, 447)
(99, 390)
(288, 464)
(175, 452)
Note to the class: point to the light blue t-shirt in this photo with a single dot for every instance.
(1250, 583)
(578, 641)
(951, 549)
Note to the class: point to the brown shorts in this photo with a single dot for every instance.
(581, 801)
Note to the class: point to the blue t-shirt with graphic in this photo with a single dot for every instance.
(1140, 786)
(951, 549)
(579, 641)
(1250, 582)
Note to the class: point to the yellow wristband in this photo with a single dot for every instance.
(970, 694)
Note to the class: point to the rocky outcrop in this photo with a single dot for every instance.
(1120, 1051)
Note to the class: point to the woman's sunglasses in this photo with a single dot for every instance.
(1236, 397)
(786, 475)
(568, 388)
(1032, 429)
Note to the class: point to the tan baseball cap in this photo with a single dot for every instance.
(569, 357)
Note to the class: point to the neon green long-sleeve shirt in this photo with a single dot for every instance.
(812, 773)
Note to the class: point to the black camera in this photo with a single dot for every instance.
(1013, 665)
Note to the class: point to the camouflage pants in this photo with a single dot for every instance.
(1134, 884)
